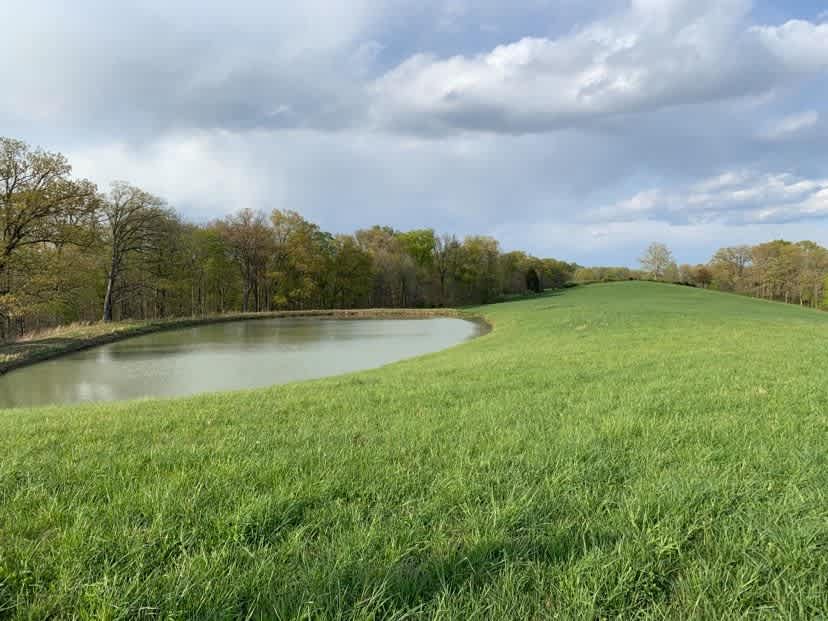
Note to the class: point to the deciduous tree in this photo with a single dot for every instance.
(132, 220)
(40, 204)
(249, 241)
(657, 261)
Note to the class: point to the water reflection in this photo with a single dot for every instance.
(226, 357)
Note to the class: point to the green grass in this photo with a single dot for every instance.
(627, 450)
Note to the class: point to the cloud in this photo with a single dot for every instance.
(797, 46)
(248, 65)
(656, 54)
(141, 68)
(347, 179)
(417, 113)
(734, 197)
(206, 174)
(792, 126)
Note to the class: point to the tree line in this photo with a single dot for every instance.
(70, 252)
(792, 272)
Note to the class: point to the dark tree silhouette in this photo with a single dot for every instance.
(533, 282)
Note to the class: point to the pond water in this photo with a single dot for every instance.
(228, 356)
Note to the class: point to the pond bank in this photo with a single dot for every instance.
(70, 339)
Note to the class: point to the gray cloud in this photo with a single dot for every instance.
(159, 66)
(150, 67)
(656, 54)
(466, 116)
(792, 126)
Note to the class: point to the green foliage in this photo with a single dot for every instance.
(420, 246)
(776, 270)
(478, 268)
(605, 274)
(555, 274)
(68, 253)
(628, 450)
(533, 281)
(825, 293)
(352, 273)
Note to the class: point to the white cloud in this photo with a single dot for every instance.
(209, 173)
(792, 126)
(735, 197)
(154, 65)
(800, 46)
(345, 112)
(658, 53)
(472, 183)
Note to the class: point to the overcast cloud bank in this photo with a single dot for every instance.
(575, 133)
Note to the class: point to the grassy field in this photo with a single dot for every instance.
(627, 450)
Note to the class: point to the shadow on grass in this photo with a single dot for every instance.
(471, 568)
(549, 293)
(418, 580)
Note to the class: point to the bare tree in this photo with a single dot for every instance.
(657, 261)
(446, 256)
(132, 219)
(250, 244)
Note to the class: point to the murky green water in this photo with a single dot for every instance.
(227, 356)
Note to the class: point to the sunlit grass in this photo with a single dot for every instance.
(41, 344)
(612, 451)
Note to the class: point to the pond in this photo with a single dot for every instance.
(228, 356)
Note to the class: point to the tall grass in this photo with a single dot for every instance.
(628, 450)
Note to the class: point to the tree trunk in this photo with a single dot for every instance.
(107, 309)
(111, 278)
(246, 295)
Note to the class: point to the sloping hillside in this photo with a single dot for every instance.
(610, 449)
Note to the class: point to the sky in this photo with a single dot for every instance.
(570, 129)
